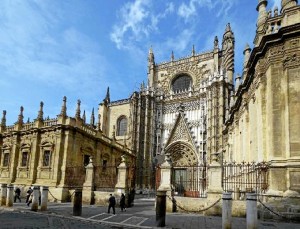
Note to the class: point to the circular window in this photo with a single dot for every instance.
(181, 83)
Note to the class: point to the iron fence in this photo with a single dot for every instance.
(189, 181)
(245, 177)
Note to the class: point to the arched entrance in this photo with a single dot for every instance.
(188, 174)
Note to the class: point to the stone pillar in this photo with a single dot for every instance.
(165, 181)
(77, 204)
(10, 196)
(44, 199)
(251, 211)
(226, 210)
(214, 190)
(121, 186)
(3, 194)
(160, 208)
(88, 185)
(35, 199)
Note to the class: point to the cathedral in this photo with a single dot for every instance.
(193, 111)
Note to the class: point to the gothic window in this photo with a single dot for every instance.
(181, 83)
(5, 159)
(104, 165)
(47, 158)
(24, 159)
(121, 126)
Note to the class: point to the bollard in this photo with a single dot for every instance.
(77, 204)
(160, 208)
(10, 196)
(251, 211)
(35, 199)
(3, 194)
(44, 199)
(226, 210)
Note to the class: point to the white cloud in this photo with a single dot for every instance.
(137, 21)
(187, 11)
(36, 47)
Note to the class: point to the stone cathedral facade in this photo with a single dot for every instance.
(194, 110)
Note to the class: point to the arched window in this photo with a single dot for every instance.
(121, 126)
(181, 83)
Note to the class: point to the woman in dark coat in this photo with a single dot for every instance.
(122, 202)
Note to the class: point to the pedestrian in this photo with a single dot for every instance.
(111, 204)
(122, 202)
(17, 194)
(30, 199)
(28, 193)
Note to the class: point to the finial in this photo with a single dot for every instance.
(77, 116)
(247, 48)
(92, 120)
(151, 55)
(172, 56)
(20, 117)
(216, 42)
(63, 111)
(41, 113)
(3, 120)
(228, 28)
(28, 120)
(84, 117)
(193, 50)
(276, 11)
(106, 100)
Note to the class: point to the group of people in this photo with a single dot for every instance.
(29, 195)
(112, 203)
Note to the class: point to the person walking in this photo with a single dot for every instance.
(122, 202)
(28, 193)
(111, 204)
(17, 194)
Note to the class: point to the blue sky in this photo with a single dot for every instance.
(77, 48)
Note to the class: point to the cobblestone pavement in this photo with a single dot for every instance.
(141, 215)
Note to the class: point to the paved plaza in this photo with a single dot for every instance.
(141, 215)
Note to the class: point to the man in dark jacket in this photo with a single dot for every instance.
(111, 204)
(17, 194)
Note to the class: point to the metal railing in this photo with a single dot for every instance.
(245, 177)
(190, 181)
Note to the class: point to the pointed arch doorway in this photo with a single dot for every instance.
(188, 174)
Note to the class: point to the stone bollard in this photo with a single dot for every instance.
(252, 211)
(226, 210)
(44, 199)
(3, 194)
(10, 196)
(77, 204)
(35, 199)
(160, 208)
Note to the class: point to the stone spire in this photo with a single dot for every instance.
(20, 117)
(285, 4)
(106, 100)
(3, 120)
(63, 111)
(246, 53)
(84, 117)
(92, 120)
(262, 13)
(237, 81)
(228, 52)
(193, 50)
(172, 56)
(150, 56)
(77, 115)
(40, 116)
